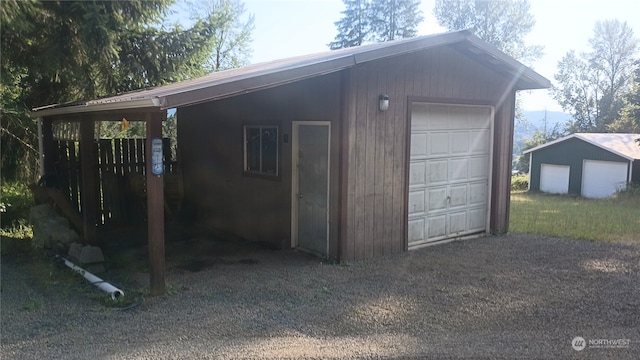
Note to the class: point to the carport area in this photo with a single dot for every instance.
(515, 296)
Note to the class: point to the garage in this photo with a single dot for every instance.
(449, 172)
(554, 179)
(602, 179)
(591, 165)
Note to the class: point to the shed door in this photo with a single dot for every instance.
(554, 179)
(449, 171)
(310, 219)
(602, 179)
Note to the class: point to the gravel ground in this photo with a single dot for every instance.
(517, 296)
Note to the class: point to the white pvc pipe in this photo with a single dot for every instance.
(103, 285)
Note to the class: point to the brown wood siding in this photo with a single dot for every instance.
(219, 195)
(377, 144)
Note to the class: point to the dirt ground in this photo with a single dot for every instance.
(516, 296)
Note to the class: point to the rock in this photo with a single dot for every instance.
(74, 251)
(50, 229)
(90, 255)
(41, 211)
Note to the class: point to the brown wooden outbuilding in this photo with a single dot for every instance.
(349, 154)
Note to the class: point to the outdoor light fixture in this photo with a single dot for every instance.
(383, 102)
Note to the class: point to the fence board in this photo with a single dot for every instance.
(120, 164)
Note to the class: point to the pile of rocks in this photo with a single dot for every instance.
(52, 231)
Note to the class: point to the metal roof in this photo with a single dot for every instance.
(270, 74)
(624, 145)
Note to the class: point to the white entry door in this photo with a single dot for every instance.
(449, 172)
(310, 208)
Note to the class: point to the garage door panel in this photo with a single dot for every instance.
(416, 202)
(437, 144)
(477, 193)
(478, 167)
(418, 146)
(601, 179)
(437, 199)
(458, 196)
(457, 223)
(480, 142)
(477, 219)
(436, 117)
(458, 170)
(453, 171)
(437, 227)
(417, 174)
(416, 229)
(437, 170)
(459, 142)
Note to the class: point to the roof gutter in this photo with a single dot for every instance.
(153, 102)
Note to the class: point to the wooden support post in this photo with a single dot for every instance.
(155, 209)
(89, 194)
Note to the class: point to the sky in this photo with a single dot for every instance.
(285, 28)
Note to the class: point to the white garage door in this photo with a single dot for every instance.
(602, 179)
(554, 179)
(449, 172)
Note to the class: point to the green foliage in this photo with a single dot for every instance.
(15, 202)
(231, 35)
(376, 20)
(502, 23)
(614, 219)
(60, 51)
(592, 86)
(353, 28)
(20, 229)
(629, 117)
(394, 19)
(520, 182)
(539, 137)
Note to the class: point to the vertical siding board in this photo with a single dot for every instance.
(385, 86)
(393, 233)
(352, 174)
(370, 159)
(410, 66)
(360, 166)
(432, 89)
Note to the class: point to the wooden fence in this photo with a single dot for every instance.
(120, 178)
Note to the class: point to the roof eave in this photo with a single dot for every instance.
(88, 107)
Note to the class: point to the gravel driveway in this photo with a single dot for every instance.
(516, 296)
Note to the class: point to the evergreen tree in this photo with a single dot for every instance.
(395, 19)
(353, 28)
(59, 51)
(376, 20)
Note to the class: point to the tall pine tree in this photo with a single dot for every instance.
(377, 21)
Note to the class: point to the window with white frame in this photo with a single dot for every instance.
(261, 149)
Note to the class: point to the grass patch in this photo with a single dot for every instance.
(611, 220)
